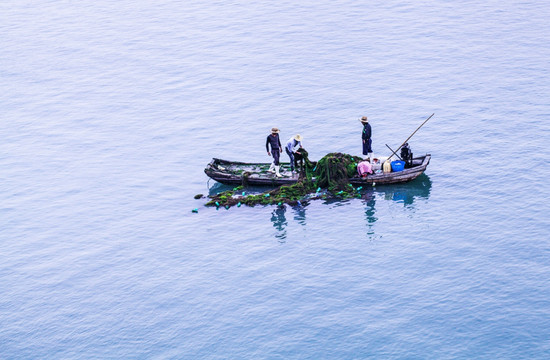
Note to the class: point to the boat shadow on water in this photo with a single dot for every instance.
(406, 194)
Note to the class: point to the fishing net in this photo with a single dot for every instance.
(334, 170)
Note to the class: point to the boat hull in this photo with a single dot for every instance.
(239, 173)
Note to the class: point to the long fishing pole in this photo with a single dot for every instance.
(404, 142)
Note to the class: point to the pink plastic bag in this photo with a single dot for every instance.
(364, 168)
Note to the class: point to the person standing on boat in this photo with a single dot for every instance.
(276, 150)
(366, 136)
(291, 145)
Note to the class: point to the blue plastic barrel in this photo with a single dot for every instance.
(397, 165)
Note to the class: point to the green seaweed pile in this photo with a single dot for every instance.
(329, 177)
(334, 170)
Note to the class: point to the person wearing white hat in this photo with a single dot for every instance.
(366, 136)
(276, 150)
(291, 145)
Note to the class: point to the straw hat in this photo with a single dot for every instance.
(275, 130)
(364, 120)
(298, 137)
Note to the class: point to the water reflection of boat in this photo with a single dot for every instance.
(407, 193)
(403, 193)
(280, 223)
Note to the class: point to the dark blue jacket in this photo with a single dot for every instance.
(274, 142)
(367, 131)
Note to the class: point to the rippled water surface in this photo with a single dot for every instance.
(111, 110)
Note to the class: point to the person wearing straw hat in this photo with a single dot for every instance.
(366, 136)
(276, 150)
(292, 144)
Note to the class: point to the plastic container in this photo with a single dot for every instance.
(387, 167)
(397, 165)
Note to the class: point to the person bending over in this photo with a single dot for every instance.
(292, 144)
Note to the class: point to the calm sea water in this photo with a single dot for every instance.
(111, 110)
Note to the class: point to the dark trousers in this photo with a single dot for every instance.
(276, 154)
(367, 146)
(291, 156)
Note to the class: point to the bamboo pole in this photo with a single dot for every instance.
(404, 142)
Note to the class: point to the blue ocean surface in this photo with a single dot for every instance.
(112, 109)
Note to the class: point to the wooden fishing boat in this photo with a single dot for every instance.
(240, 173)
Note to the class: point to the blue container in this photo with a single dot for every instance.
(397, 165)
